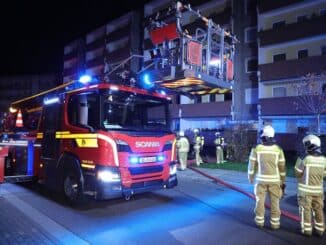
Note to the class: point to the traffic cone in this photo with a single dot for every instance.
(19, 120)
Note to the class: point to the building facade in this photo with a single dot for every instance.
(280, 42)
(291, 54)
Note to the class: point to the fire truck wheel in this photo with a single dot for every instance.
(72, 188)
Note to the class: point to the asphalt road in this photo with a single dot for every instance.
(198, 211)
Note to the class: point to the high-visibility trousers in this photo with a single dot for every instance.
(311, 205)
(275, 193)
(219, 155)
(183, 158)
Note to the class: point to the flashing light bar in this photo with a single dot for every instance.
(50, 101)
(145, 159)
(85, 79)
(114, 88)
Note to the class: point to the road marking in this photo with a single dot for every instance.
(56, 230)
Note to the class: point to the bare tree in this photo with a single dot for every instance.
(311, 97)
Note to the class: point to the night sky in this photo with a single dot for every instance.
(34, 32)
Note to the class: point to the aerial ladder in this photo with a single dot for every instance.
(190, 64)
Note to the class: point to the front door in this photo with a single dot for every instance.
(52, 118)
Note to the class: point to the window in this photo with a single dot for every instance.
(323, 50)
(302, 18)
(279, 57)
(83, 111)
(251, 65)
(279, 92)
(251, 34)
(302, 53)
(278, 24)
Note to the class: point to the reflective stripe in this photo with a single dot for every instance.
(310, 191)
(282, 174)
(315, 165)
(275, 219)
(311, 187)
(260, 217)
(251, 172)
(268, 180)
(252, 158)
(307, 229)
(275, 222)
(319, 228)
(299, 170)
(268, 176)
(114, 147)
(307, 224)
(319, 224)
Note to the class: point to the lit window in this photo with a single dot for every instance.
(302, 54)
(279, 92)
(279, 57)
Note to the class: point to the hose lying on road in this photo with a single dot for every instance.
(250, 195)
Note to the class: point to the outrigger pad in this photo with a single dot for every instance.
(195, 83)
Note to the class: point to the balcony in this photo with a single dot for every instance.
(268, 5)
(95, 62)
(71, 55)
(119, 54)
(98, 43)
(214, 109)
(303, 29)
(292, 68)
(283, 106)
(118, 34)
(69, 71)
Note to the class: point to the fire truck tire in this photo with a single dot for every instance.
(72, 188)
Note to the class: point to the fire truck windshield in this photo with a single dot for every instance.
(122, 110)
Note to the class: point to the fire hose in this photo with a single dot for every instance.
(250, 195)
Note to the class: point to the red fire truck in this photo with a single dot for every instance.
(102, 140)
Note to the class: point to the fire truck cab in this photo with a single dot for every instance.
(102, 140)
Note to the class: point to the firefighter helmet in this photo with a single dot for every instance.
(217, 134)
(268, 131)
(311, 142)
(181, 133)
(196, 130)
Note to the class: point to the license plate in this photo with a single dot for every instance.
(147, 159)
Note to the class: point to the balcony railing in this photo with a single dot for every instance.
(303, 29)
(283, 106)
(213, 109)
(292, 68)
(267, 5)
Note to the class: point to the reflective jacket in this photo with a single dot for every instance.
(183, 144)
(310, 172)
(219, 141)
(267, 164)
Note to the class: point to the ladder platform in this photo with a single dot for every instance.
(195, 83)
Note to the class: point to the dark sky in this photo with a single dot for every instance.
(33, 32)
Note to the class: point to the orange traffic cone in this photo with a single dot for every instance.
(19, 120)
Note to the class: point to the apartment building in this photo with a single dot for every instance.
(292, 44)
(98, 53)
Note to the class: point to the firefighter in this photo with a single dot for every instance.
(198, 146)
(267, 166)
(219, 143)
(310, 171)
(183, 149)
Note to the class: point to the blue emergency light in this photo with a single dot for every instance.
(85, 79)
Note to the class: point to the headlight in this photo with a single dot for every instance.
(173, 169)
(108, 176)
